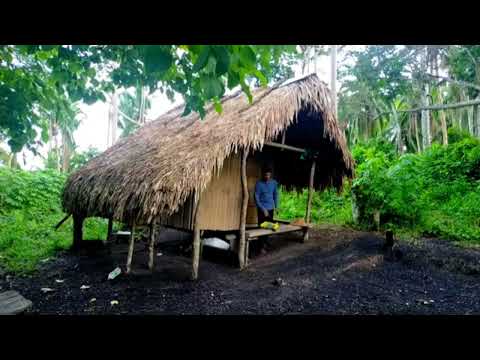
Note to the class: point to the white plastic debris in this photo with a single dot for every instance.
(333, 279)
(123, 232)
(113, 274)
(46, 290)
(159, 254)
(425, 302)
(93, 300)
(84, 287)
(114, 302)
(59, 281)
(216, 243)
(45, 260)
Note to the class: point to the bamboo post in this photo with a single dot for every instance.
(309, 199)
(242, 256)
(131, 245)
(476, 116)
(77, 231)
(151, 247)
(110, 227)
(196, 242)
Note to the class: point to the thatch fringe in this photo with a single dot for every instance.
(153, 171)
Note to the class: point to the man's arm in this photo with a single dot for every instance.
(257, 197)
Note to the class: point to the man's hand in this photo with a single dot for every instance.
(265, 212)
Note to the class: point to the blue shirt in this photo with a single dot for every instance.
(266, 194)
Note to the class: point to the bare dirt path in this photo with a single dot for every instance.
(339, 272)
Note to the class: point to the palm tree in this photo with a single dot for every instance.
(132, 110)
(63, 121)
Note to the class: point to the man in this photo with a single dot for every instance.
(266, 199)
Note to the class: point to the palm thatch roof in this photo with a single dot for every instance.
(153, 171)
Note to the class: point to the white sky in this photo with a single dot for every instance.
(93, 128)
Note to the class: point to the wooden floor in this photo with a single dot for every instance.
(284, 228)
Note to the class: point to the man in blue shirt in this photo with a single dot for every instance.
(266, 198)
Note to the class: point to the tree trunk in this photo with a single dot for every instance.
(441, 113)
(425, 114)
(470, 115)
(425, 119)
(66, 151)
(417, 138)
(77, 231)
(443, 125)
(113, 120)
(476, 112)
(333, 82)
(242, 248)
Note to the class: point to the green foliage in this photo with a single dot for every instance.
(434, 193)
(464, 64)
(34, 79)
(81, 158)
(130, 105)
(327, 206)
(29, 209)
(456, 135)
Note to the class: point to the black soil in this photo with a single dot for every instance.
(338, 272)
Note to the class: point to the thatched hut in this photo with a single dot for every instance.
(199, 174)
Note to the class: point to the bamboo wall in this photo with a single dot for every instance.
(221, 202)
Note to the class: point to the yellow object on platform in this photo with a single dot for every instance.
(269, 225)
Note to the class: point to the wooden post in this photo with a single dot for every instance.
(309, 199)
(196, 242)
(110, 227)
(77, 231)
(131, 245)
(151, 247)
(242, 256)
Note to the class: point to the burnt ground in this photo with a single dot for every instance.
(338, 272)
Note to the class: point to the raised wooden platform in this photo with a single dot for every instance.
(254, 233)
(284, 228)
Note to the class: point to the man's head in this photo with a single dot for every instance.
(267, 173)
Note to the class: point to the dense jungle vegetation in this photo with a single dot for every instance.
(410, 114)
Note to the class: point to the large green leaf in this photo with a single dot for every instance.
(217, 105)
(202, 59)
(233, 79)
(157, 59)
(247, 55)
(211, 86)
(223, 60)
